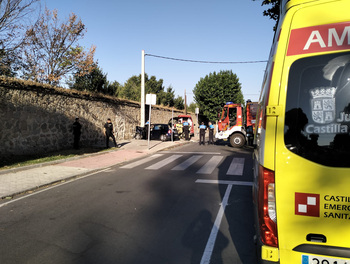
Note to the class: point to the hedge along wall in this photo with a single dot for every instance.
(37, 119)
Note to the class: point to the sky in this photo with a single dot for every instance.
(201, 30)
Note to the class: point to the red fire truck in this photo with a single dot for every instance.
(232, 127)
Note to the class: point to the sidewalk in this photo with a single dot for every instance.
(23, 179)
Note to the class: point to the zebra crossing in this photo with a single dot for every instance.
(235, 168)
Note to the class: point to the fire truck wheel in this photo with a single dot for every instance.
(237, 140)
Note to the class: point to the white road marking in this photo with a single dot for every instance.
(236, 167)
(164, 162)
(214, 231)
(192, 152)
(210, 166)
(140, 162)
(242, 183)
(184, 165)
(208, 251)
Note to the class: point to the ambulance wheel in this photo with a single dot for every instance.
(237, 140)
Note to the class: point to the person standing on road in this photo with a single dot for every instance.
(109, 132)
(211, 133)
(186, 130)
(202, 129)
(76, 132)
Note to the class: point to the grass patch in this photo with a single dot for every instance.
(14, 161)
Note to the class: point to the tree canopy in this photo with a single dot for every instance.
(214, 90)
(95, 81)
(132, 90)
(192, 107)
(273, 11)
(179, 103)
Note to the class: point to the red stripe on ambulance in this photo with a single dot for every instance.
(330, 37)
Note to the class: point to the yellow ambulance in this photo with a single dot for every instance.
(302, 156)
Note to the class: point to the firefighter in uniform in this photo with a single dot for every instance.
(179, 128)
(202, 129)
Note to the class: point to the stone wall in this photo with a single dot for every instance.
(37, 119)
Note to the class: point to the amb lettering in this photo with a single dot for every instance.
(321, 38)
(335, 209)
(328, 40)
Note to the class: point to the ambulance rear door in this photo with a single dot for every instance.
(312, 166)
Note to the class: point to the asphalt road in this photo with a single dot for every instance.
(191, 204)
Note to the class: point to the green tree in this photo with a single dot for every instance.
(132, 88)
(192, 107)
(152, 85)
(273, 11)
(113, 88)
(168, 97)
(95, 81)
(179, 103)
(214, 90)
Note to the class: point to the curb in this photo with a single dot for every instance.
(69, 178)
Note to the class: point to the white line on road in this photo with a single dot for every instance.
(164, 162)
(184, 165)
(225, 182)
(191, 152)
(236, 167)
(214, 231)
(210, 166)
(208, 251)
(140, 162)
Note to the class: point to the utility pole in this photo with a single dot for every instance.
(185, 103)
(142, 88)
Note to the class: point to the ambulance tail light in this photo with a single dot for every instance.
(267, 207)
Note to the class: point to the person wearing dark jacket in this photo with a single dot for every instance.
(109, 132)
(186, 130)
(211, 133)
(202, 129)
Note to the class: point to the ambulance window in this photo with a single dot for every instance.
(317, 118)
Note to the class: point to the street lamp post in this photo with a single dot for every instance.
(142, 88)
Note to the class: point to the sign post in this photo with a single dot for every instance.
(172, 125)
(197, 112)
(151, 99)
(142, 88)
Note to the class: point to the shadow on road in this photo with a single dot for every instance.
(197, 235)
